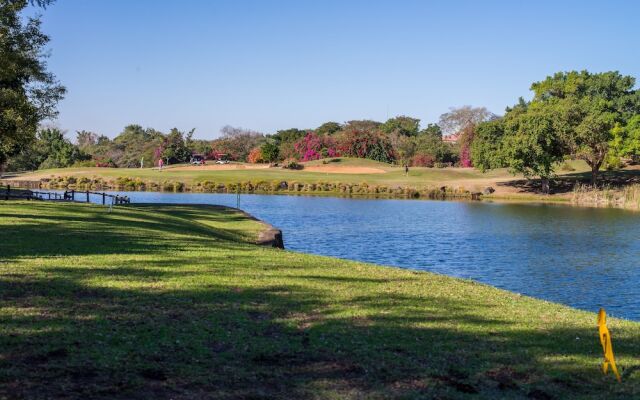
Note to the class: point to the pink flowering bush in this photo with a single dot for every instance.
(466, 139)
(314, 147)
(371, 144)
(465, 157)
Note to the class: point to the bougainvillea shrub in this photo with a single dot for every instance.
(314, 147)
(363, 143)
(466, 139)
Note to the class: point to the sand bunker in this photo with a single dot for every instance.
(335, 169)
(218, 167)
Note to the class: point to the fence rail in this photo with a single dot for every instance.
(8, 192)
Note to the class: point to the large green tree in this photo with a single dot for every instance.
(133, 144)
(50, 149)
(176, 146)
(401, 125)
(531, 144)
(57, 150)
(529, 140)
(288, 135)
(270, 151)
(588, 107)
(28, 92)
(433, 130)
(328, 128)
(486, 149)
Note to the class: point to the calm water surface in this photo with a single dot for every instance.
(582, 257)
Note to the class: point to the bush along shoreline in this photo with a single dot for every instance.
(627, 197)
(265, 187)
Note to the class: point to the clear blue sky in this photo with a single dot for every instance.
(269, 65)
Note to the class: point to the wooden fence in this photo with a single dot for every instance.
(84, 196)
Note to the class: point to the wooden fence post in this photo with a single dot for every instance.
(8, 191)
(73, 195)
(103, 198)
(87, 196)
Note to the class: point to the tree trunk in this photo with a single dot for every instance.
(545, 185)
(595, 167)
(595, 163)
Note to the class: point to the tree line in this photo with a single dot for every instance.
(399, 140)
(135, 146)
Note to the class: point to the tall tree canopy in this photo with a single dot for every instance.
(28, 92)
(459, 119)
(176, 146)
(529, 140)
(463, 121)
(328, 128)
(580, 114)
(288, 135)
(588, 107)
(401, 125)
(432, 130)
(237, 143)
(531, 144)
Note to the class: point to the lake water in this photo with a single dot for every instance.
(582, 257)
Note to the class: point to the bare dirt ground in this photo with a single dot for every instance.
(340, 169)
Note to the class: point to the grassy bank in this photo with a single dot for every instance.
(343, 176)
(153, 301)
(344, 171)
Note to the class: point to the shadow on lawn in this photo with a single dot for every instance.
(275, 341)
(197, 324)
(42, 235)
(566, 182)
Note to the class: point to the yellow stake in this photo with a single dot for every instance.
(605, 340)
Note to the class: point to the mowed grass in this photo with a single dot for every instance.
(174, 301)
(394, 176)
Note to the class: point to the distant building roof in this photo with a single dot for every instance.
(453, 138)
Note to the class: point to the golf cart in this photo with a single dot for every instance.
(197, 159)
(221, 158)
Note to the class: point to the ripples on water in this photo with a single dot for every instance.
(582, 257)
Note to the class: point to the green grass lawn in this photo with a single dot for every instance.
(175, 301)
(393, 176)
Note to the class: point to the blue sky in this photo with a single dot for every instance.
(269, 65)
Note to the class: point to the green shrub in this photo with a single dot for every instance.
(83, 164)
(292, 164)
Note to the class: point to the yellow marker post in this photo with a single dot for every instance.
(605, 340)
